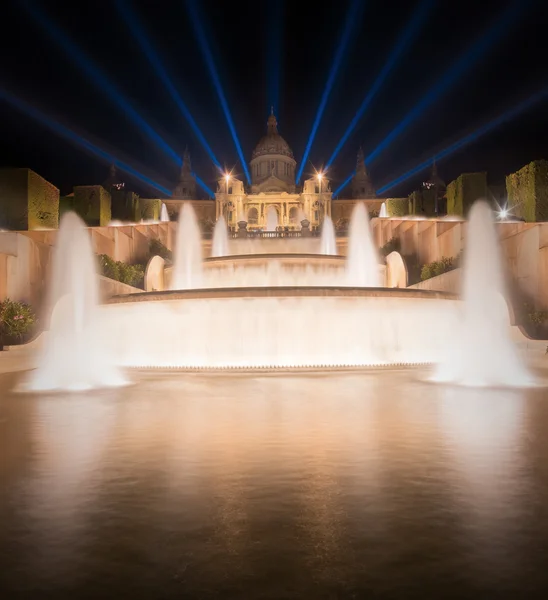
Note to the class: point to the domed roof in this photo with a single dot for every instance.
(272, 142)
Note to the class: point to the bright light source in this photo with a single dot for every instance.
(319, 176)
(227, 177)
(503, 214)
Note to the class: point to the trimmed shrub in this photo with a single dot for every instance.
(156, 248)
(464, 191)
(438, 267)
(397, 207)
(17, 320)
(527, 191)
(150, 209)
(392, 245)
(133, 275)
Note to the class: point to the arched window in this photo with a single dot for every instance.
(230, 190)
(293, 215)
(253, 216)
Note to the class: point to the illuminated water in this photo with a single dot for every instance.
(369, 485)
(383, 213)
(73, 356)
(480, 351)
(328, 242)
(187, 268)
(219, 246)
(164, 215)
(363, 260)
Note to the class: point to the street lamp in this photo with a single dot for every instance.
(227, 179)
(319, 175)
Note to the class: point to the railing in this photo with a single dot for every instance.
(272, 234)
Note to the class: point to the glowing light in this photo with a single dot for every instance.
(464, 62)
(319, 176)
(80, 141)
(202, 40)
(227, 177)
(142, 38)
(351, 21)
(407, 35)
(97, 76)
(504, 213)
(468, 139)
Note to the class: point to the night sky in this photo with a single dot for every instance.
(255, 44)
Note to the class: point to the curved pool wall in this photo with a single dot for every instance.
(269, 270)
(278, 327)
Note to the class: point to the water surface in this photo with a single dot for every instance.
(358, 485)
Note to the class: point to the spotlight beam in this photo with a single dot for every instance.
(204, 186)
(206, 51)
(463, 63)
(97, 75)
(404, 39)
(142, 38)
(468, 139)
(274, 52)
(349, 25)
(343, 184)
(71, 136)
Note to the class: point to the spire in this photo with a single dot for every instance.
(360, 162)
(272, 124)
(186, 168)
(112, 170)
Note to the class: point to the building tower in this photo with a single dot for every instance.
(272, 163)
(362, 187)
(186, 188)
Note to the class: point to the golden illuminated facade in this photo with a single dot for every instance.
(273, 187)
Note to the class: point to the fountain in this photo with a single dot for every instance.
(164, 215)
(188, 268)
(382, 213)
(271, 219)
(363, 260)
(328, 243)
(220, 238)
(73, 356)
(480, 352)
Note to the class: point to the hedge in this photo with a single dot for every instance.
(464, 191)
(527, 191)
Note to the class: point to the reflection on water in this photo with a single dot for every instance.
(274, 487)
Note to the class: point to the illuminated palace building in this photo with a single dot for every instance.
(273, 188)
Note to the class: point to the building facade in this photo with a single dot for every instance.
(273, 200)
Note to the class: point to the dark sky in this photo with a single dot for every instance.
(247, 37)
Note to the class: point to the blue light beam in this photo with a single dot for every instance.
(403, 41)
(274, 53)
(350, 23)
(204, 186)
(468, 139)
(343, 184)
(140, 35)
(97, 75)
(202, 40)
(464, 62)
(78, 140)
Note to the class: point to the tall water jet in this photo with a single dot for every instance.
(271, 219)
(164, 215)
(480, 351)
(382, 213)
(328, 243)
(220, 238)
(362, 265)
(73, 357)
(187, 267)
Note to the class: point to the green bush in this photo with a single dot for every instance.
(156, 248)
(396, 207)
(16, 320)
(392, 245)
(438, 267)
(133, 275)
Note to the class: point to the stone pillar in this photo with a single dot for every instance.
(305, 228)
(242, 229)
